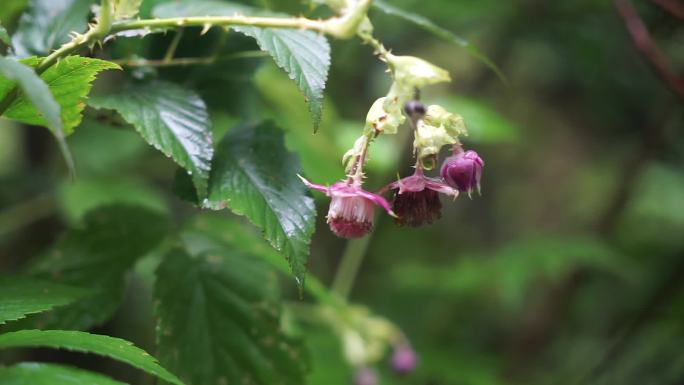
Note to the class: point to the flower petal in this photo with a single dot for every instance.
(314, 186)
(378, 200)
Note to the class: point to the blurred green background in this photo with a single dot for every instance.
(569, 269)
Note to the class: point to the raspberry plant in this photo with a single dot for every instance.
(217, 299)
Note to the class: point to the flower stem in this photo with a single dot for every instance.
(349, 266)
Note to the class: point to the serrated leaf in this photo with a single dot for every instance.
(429, 26)
(255, 176)
(219, 321)
(36, 94)
(116, 348)
(69, 82)
(96, 256)
(304, 55)
(125, 9)
(171, 118)
(35, 373)
(20, 297)
(37, 97)
(46, 25)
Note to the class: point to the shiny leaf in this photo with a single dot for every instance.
(171, 118)
(255, 176)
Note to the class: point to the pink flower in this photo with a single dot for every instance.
(351, 212)
(416, 201)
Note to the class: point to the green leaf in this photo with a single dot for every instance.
(219, 321)
(96, 256)
(22, 296)
(46, 25)
(171, 118)
(36, 94)
(126, 9)
(116, 348)
(212, 230)
(37, 98)
(69, 81)
(427, 25)
(304, 55)
(255, 176)
(50, 374)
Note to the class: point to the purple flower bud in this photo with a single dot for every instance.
(352, 208)
(366, 376)
(404, 359)
(463, 171)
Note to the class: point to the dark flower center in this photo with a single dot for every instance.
(417, 208)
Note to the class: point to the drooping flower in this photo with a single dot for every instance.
(351, 211)
(404, 359)
(416, 200)
(463, 170)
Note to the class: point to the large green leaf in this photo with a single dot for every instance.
(171, 118)
(304, 55)
(22, 296)
(115, 348)
(219, 321)
(96, 256)
(427, 25)
(34, 373)
(46, 25)
(69, 82)
(255, 176)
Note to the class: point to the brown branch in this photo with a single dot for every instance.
(672, 6)
(644, 44)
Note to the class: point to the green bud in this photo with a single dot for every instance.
(384, 116)
(411, 72)
(437, 129)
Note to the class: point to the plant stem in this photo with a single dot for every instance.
(173, 46)
(189, 61)
(349, 266)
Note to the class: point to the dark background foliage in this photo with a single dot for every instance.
(568, 268)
